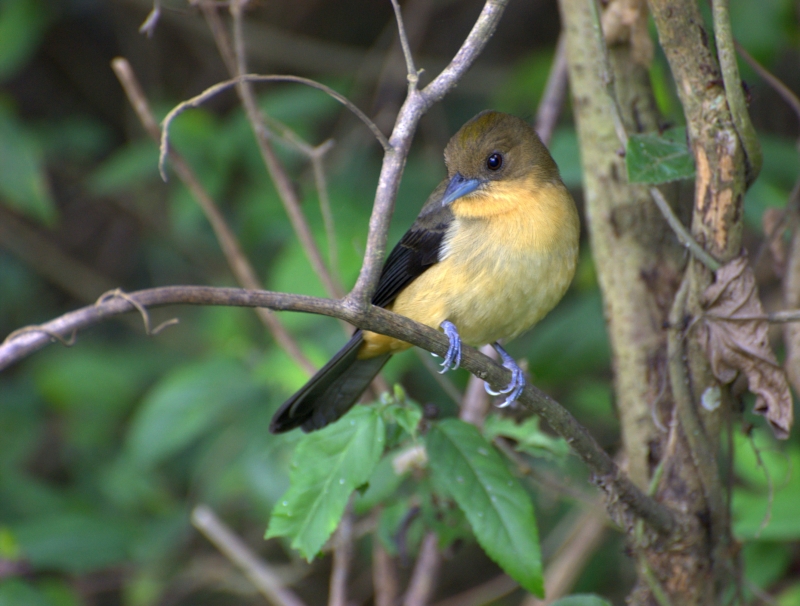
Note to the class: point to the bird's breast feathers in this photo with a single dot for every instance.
(505, 262)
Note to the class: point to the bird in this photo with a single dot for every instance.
(492, 251)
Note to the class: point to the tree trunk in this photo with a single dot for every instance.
(640, 266)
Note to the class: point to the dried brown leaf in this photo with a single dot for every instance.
(734, 335)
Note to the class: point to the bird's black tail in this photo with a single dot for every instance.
(331, 392)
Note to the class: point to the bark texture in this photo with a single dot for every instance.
(660, 374)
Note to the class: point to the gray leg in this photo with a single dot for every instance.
(517, 384)
(453, 358)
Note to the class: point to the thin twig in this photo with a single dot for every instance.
(681, 232)
(342, 558)
(791, 298)
(413, 74)
(555, 91)
(321, 183)
(384, 574)
(794, 103)
(726, 54)
(476, 402)
(49, 260)
(415, 105)
(225, 48)
(220, 87)
(220, 34)
(426, 572)
(703, 457)
(259, 573)
(776, 83)
(683, 235)
(486, 593)
(149, 26)
(237, 260)
(607, 75)
(606, 474)
(775, 317)
(564, 570)
(275, 168)
(656, 588)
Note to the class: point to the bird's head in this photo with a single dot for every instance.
(492, 152)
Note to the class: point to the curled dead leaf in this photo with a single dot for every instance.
(734, 334)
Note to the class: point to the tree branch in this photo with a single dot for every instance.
(726, 55)
(343, 548)
(270, 586)
(606, 473)
(237, 260)
(426, 571)
(555, 91)
(416, 104)
(413, 74)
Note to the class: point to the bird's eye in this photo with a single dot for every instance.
(494, 161)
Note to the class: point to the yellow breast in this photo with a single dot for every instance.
(508, 258)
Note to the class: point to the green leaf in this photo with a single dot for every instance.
(528, 436)
(406, 416)
(327, 466)
(187, 403)
(757, 510)
(652, 158)
(499, 510)
(383, 482)
(581, 599)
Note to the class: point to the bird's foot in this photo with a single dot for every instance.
(517, 384)
(452, 359)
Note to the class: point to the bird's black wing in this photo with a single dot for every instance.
(417, 250)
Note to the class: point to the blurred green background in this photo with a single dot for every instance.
(106, 446)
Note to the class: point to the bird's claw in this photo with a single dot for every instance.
(452, 359)
(517, 384)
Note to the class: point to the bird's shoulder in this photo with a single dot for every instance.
(417, 250)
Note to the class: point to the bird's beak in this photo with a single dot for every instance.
(459, 186)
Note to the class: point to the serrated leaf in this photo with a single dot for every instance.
(652, 158)
(527, 435)
(499, 510)
(581, 599)
(326, 467)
